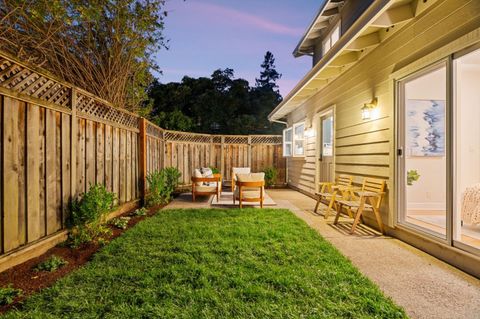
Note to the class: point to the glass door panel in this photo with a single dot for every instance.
(423, 164)
(326, 150)
(466, 222)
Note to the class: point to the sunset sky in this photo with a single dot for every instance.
(206, 35)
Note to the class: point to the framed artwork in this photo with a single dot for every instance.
(425, 127)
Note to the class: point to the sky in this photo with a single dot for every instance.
(206, 35)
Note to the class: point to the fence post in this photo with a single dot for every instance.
(249, 151)
(73, 144)
(142, 156)
(222, 160)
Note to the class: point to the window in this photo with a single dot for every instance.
(294, 140)
(331, 39)
(299, 139)
(287, 142)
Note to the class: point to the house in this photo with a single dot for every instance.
(392, 94)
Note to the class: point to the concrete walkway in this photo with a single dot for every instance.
(423, 285)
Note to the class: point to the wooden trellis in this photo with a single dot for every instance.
(57, 140)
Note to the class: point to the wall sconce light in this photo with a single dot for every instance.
(369, 108)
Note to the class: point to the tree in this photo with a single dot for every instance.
(220, 104)
(102, 46)
(268, 75)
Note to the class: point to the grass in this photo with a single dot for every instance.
(210, 263)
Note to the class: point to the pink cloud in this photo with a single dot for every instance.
(244, 18)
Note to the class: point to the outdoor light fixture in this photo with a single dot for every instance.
(309, 132)
(369, 108)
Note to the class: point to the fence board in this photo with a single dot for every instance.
(35, 153)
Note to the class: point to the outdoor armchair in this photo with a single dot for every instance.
(238, 170)
(249, 188)
(202, 186)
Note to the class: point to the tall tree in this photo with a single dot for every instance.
(103, 46)
(268, 75)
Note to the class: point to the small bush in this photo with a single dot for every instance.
(161, 185)
(214, 170)
(88, 215)
(120, 222)
(271, 174)
(8, 295)
(51, 264)
(140, 212)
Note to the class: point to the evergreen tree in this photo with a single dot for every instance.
(268, 75)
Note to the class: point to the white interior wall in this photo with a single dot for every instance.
(429, 192)
(468, 126)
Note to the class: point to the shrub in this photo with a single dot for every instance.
(51, 264)
(88, 215)
(271, 174)
(161, 185)
(120, 222)
(140, 212)
(8, 295)
(214, 170)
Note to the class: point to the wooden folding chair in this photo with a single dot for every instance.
(330, 192)
(368, 198)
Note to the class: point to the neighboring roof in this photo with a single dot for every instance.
(366, 33)
(328, 8)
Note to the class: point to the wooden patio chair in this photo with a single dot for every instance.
(200, 189)
(330, 192)
(368, 198)
(250, 188)
(238, 170)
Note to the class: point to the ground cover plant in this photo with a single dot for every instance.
(214, 263)
(51, 264)
(8, 295)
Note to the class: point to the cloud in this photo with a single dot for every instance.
(244, 19)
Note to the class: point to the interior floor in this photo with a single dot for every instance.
(436, 221)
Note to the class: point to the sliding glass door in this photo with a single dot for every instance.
(423, 150)
(466, 217)
(438, 137)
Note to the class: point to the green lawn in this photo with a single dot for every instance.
(248, 263)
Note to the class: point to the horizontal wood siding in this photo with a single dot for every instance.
(366, 148)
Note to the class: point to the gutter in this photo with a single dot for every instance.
(373, 10)
(296, 52)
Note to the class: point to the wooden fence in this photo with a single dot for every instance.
(187, 151)
(57, 139)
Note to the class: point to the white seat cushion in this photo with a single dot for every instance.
(198, 174)
(205, 189)
(248, 193)
(252, 177)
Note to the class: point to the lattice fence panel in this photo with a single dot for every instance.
(266, 139)
(102, 111)
(216, 139)
(25, 81)
(233, 139)
(153, 130)
(186, 137)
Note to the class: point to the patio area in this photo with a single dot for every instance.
(423, 285)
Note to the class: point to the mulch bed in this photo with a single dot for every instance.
(25, 277)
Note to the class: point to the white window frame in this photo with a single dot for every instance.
(294, 139)
(328, 43)
(285, 142)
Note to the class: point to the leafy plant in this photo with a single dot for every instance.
(120, 222)
(412, 176)
(88, 215)
(162, 184)
(214, 170)
(140, 212)
(51, 264)
(8, 295)
(271, 174)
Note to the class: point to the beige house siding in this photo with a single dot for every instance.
(367, 148)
